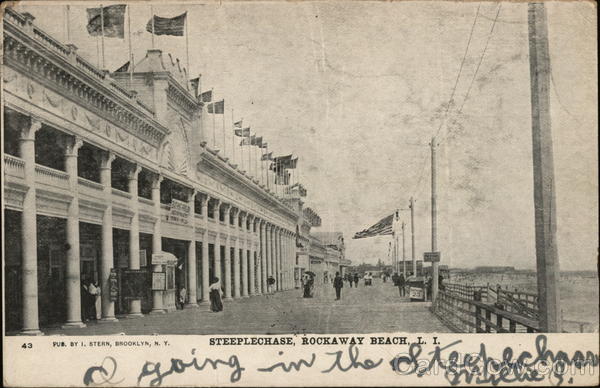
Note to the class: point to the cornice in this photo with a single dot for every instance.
(61, 69)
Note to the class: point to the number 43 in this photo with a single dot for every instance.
(27, 345)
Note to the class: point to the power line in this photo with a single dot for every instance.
(477, 68)
(462, 62)
(481, 58)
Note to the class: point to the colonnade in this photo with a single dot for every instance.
(262, 249)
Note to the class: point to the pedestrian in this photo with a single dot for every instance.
(306, 286)
(216, 304)
(356, 279)
(395, 279)
(270, 283)
(401, 284)
(338, 283)
(350, 279)
(182, 296)
(441, 282)
(93, 295)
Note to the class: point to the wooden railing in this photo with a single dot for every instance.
(473, 316)
(465, 291)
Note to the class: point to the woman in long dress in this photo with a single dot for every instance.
(216, 304)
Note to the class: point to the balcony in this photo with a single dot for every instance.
(14, 167)
(51, 177)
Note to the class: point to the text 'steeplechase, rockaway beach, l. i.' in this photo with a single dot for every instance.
(300, 193)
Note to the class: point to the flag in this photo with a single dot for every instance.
(381, 228)
(242, 132)
(247, 140)
(167, 26)
(267, 156)
(256, 141)
(238, 124)
(206, 96)
(114, 21)
(194, 84)
(217, 108)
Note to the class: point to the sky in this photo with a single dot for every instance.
(356, 90)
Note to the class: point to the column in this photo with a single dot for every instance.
(73, 267)
(135, 305)
(244, 256)
(205, 274)
(263, 256)
(236, 256)
(286, 261)
(106, 261)
(276, 237)
(227, 259)
(268, 255)
(258, 286)
(29, 264)
(157, 295)
(251, 263)
(217, 250)
(191, 262)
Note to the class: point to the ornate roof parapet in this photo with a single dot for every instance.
(31, 50)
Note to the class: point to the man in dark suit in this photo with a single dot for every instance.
(338, 283)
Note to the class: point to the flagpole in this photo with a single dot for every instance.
(232, 136)
(255, 165)
(214, 127)
(67, 26)
(224, 147)
(102, 29)
(152, 19)
(130, 51)
(187, 57)
(267, 172)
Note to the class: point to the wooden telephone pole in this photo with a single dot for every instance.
(412, 235)
(548, 273)
(435, 264)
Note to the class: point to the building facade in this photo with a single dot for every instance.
(108, 178)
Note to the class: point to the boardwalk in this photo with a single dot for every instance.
(361, 310)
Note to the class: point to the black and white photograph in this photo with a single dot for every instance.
(299, 168)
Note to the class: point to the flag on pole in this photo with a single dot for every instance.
(381, 228)
(267, 156)
(206, 96)
(217, 108)
(194, 83)
(248, 140)
(113, 18)
(256, 141)
(242, 132)
(167, 26)
(238, 125)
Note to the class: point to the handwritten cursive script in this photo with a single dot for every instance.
(486, 370)
(178, 366)
(103, 374)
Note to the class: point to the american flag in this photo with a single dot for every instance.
(381, 228)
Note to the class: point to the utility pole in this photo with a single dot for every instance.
(548, 272)
(435, 264)
(412, 235)
(403, 253)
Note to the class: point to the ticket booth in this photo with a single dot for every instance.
(163, 278)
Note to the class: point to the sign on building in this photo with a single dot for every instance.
(143, 258)
(179, 212)
(432, 257)
(113, 285)
(159, 281)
